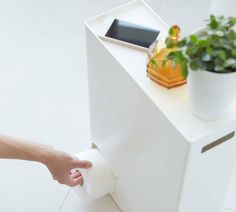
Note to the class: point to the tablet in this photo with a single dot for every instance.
(133, 34)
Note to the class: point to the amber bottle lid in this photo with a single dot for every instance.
(174, 33)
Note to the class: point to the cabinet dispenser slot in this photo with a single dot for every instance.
(218, 142)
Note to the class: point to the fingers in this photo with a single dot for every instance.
(75, 175)
(66, 173)
(82, 164)
(75, 181)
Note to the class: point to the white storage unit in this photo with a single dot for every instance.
(165, 158)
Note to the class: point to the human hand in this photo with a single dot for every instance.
(60, 165)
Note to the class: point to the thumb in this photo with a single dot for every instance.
(84, 164)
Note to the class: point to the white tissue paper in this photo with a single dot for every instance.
(98, 180)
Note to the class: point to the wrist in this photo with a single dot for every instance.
(45, 154)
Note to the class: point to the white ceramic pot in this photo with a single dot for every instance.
(211, 94)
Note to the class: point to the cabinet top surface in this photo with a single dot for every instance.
(173, 103)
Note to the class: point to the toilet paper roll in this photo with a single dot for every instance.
(98, 180)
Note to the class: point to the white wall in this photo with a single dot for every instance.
(189, 14)
(223, 7)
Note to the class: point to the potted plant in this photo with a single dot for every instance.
(208, 59)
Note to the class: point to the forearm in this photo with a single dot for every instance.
(58, 163)
(14, 148)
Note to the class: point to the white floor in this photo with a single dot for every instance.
(43, 92)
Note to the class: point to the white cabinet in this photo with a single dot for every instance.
(166, 159)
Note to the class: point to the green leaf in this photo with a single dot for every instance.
(213, 24)
(219, 68)
(171, 56)
(194, 65)
(222, 55)
(227, 46)
(220, 33)
(231, 35)
(193, 39)
(233, 19)
(179, 57)
(171, 31)
(192, 50)
(231, 62)
(169, 43)
(153, 62)
(233, 52)
(184, 70)
(212, 17)
(209, 50)
(206, 57)
(203, 43)
(181, 43)
(234, 43)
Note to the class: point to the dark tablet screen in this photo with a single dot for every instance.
(132, 33)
